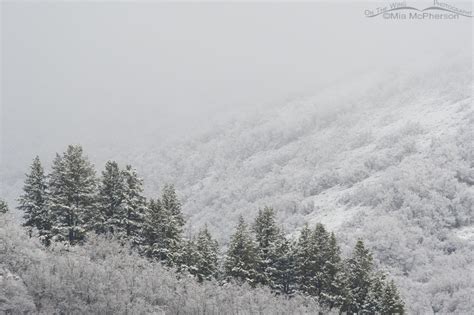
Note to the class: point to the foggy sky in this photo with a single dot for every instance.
(110, 73)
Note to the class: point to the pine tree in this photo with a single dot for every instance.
(189, 257)
(282, 275)
(3, 206)
(392, 303)
(173, 236)
(133, 207)
(266, 234)
(304, 256)
(312, 255)
(359, 273)
(320, 260)
(154, 230)
(71, 199)
(332, 293)
(206, 255)
(163, 229)
(241, 259)
(374, 300)
(170, 202)
(33, 201)
(110, 199)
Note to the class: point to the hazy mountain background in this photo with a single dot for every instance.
(116, 76)
(363, 124)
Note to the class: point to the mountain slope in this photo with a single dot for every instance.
(388, 158)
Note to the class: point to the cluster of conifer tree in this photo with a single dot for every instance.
(71, 202)
(312, 265)
(3, 206)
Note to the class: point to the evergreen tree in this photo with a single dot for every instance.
(374, 301)
(154, 230)
(163, 229)
(33, 201)
(189, 257)
(266, 234)
(320, 260)
(173, 223)
(133, 207)
(304, 256)
(241, 259)
(206, 255)
(170, 202)
(312, 256)
(359, 273)
(110, 199)
(72, 194)
(333, 283)
(392, 303)
(3, 206)
(282, 269)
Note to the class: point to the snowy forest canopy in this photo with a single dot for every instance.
(397, 155)
(70, 207)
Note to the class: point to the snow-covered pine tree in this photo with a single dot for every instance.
(170, 202)
(173, 236)
(359, 273)
(282, 277)
(71, 198)
(3, 206)
(163, 229)
(109, 200)
(374, 300)
(189, 257)
(241, 258)
(33, 201)
(133, 207)
(304, 257)
(392, 303)
(266, 235)
(332, 293)
(154, 231)
(206, 255)
(320, 260)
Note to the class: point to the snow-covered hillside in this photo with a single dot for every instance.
(386, 157)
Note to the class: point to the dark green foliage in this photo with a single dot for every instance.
(332, 290)
(359, 273)
(281, 270)
(304, 254)
(171, 203)
(392, 303)
(121, 204)
(154, 231)
(133, 206)
(319, 269)
(241, 261)
(71, 198)
(33, 201)
(276, 264)
(312, 254)
(320, 239)
(163, 229)
(206, 264)
(374, 301)
(110, 199)
(3, 206)
(267, 235)
(188, 257)
(172, 226)
(199, 256)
